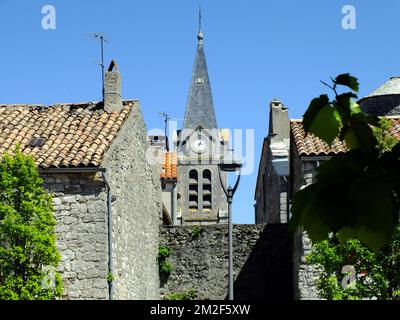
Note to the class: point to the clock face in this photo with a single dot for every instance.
(199, 146)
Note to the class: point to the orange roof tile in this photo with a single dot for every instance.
(310, 145)
(169, 166)
(75, 135)
(395, 129)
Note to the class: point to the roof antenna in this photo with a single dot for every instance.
(100, 37)
(166, 118)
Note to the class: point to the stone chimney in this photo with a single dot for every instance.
(279, 124)
(112, 88)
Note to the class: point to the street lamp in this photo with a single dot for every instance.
(230, 166)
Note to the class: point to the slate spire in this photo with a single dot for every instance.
(199, 107)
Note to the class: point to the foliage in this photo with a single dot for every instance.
(163, 252)
(386, 141)
(110, 277)
(28, 252)
(165, 266)
(377, 275)
(190, 294)
(196, 232)
(356, 195)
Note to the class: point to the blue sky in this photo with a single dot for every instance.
(256, 50)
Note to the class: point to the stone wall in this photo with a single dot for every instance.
(263, 261)
(81, 214)
(137, 212)
(268, 190)
(271, 194)
(305, 275)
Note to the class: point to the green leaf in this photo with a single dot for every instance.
(351, 139)
(341, 167)
(326, 124)
(371, 197)
(347, 80)
(354, 107)
(306, 212)
(314, 108)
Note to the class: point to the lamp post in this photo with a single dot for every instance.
(230, 167)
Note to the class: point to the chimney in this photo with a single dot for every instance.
(279, 124)
(112, 88)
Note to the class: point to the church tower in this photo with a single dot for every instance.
(200, 146)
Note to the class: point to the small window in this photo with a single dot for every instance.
(199, 81)
(36, 142)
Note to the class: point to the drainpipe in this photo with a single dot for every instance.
(109, 222)
(174, 198)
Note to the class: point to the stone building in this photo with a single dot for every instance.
(200, 146)
(107, 199)
(279, 179)
(273, 170)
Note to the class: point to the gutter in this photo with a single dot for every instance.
(72, 170)
(109, 211)
(174, 195)
(315, 158)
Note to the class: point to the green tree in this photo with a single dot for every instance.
(356, 195)
(28, 252)
(376, 275)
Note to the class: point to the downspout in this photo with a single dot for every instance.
(109, 234)
(173, 204)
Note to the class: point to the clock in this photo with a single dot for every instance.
(199, 146)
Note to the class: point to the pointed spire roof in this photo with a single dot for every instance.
(200, 107)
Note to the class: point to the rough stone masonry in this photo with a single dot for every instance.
(263, 261)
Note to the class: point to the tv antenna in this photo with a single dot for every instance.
(166, 118)
(100, 36)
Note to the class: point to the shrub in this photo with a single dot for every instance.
(190, 294)
(196, 232)
(165, 266)
(28, 252)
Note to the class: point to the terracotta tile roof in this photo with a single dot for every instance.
(169, 166)
(310, 145)
(75, 135)
(395, 129)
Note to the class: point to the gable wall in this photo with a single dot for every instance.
(137, 213)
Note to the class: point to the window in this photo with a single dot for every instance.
(36, 142)
(199, 81)
(193, 191)
(207, 195)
